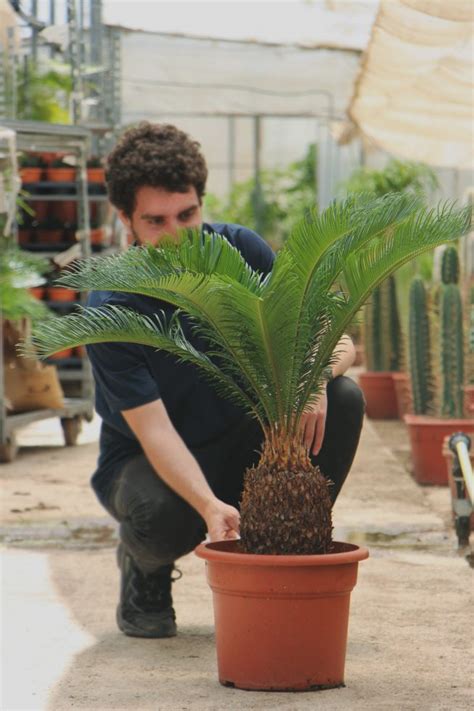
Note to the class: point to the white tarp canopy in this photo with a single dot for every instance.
(414, 96)
(341, 24)
(178, 74)
(213, 88)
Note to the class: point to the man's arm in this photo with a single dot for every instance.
(345, 356)
(313, 423)
(174, 463)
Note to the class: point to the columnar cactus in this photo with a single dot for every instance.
(382, 329)
(451, 336)
(421, 372)
(450, 266)
(451, 351)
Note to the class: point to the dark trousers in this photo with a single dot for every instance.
(157, 526)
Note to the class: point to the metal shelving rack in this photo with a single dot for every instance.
(38, 136)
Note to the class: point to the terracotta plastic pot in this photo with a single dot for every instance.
(41, 209)
(58, 293)
(65, 211)
(426, 440)
(52, 236)
(97, 235)
(469, 400)
(37, 291)
(403, 394)
(30, 174)
(61, 175)
(66, 353)
(281, 621)
(379, 393)
(95, 175)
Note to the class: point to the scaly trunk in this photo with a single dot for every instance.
(286, 506)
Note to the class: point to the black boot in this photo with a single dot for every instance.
(146, 607)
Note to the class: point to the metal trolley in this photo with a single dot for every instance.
(36, 136)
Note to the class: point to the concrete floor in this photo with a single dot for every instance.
(410, 638)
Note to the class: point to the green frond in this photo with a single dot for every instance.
(140, 270)
(117, 324)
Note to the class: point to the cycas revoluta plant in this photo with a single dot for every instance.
(270, 341)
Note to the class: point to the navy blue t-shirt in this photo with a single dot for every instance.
(128, 375)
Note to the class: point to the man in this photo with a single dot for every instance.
(172, 451)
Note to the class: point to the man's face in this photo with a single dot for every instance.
(158, 213)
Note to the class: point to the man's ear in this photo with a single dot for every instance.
(125, 220)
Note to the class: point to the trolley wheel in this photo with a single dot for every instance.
(8, 450)
(71, 429)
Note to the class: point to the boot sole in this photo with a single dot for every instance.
(166, 628)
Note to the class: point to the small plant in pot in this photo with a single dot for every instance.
(469, 387)
(383, 352)
(61, 171)
(282, 592)
(95, 170)
(385, 383)
(31, 167)
(437, 365)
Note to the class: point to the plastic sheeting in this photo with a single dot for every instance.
(184, 75)
(414, 95)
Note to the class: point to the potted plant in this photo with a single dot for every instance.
(469, 387)
(60, 171)
(95, 170)
(282, 592)
(435, 417)
(383, 348)
(51, 233)
(31, 168)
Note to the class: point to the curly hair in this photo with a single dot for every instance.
(156, 155)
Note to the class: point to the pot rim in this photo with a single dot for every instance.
(423, 420)
(212, 552)
(377, 373)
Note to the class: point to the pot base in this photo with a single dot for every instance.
(314, 687)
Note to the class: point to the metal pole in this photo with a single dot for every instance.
(258, 205)
(231, 153)
(34, 32)
(12, 66)
(74, 57)
(52, 21)
(113, 80)
(3, 83)
(96, 58)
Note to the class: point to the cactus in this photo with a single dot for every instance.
(422, 378)
(451, 351)
(382, 330)
(470, 339)
(450, 266)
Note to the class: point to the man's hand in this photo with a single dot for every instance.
(313, 424)
(222, 520)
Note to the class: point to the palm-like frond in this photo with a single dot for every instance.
(268, 341)
(117, 324)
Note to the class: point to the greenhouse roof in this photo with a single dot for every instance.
(419, 105)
